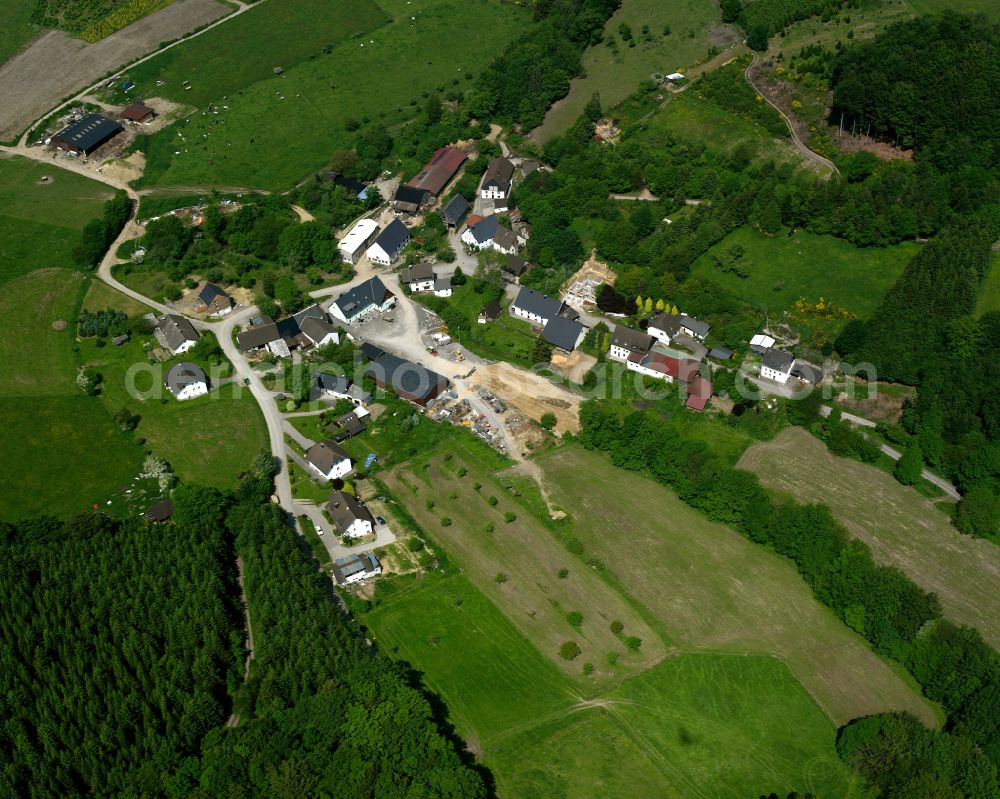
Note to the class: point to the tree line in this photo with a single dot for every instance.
(99, 234)
(952, 664)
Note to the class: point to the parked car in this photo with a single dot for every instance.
(380, 520)
(319, 530)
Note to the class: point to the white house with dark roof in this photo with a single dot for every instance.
(694, 327)
(176, 333)
(338, 387)
(442, 287)
(389, 244)
(349, 515)
(506, 241)
(480, 235)
(625, 342)
(215, 300)
(186, 380)
(777, 365)
(328, 460)
(356, 568)
(535, 307)
(363, 299)
(663, 327)
(418, 278)
(497, 179)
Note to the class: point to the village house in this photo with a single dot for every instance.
(363, 299)
(777, 366)
(350, 425)
(557, 319)
(389, 244)
(454, 211)
(215, 300)
(328, 460)
(663, 327)
(337, 387)
(625, 342)
(669, 369)
(176, 333)
(410, 381)
(512, 268)
(479, 234)
(442, 287)
(355, 568)
(694, 327)
(419, 277)
(491, 312)
(409, 200)
(497, 180)
(357, 240)
(506, 241)
(349, 515)
(86, 135)
(310, 327)
(186, 380)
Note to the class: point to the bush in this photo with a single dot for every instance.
(632, 643)
(445, 521)
(612, 658)
(548, 420)
(509, 516)
(588, 669)
(414, 544)
(500, 579)
(493, 501)
(575, 618)
(563, 574)
(617, 627)
(570, 650)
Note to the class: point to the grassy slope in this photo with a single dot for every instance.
(806, 266)
(59, 451)
(712, 603)
(987, 7)
(266, 141)
(902, 528)
(17, 29)
(687, 727)
(614, 77)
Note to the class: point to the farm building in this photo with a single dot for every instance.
(358, 239)
(409, 200)
(566, 334)
(625, 341)
(454, 211)
(311, 326)
(777, 365)
(479, 234)
(355, 187)
(372, 295)
(408, 380)
(86, 135)
(439, 170)
(137, 112)
(389, 244)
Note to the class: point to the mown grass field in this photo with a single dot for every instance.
(40, 223)
(692, 726)
(17, 29)
(279, 129)
(614, 73)
(902, 528)
(807, 266)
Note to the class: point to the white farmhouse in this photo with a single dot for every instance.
(777, 366)
(479, 234)
(186, 380)
(389, 244)
(663, 327)
(328, 460)
(497, 179)
(349, 515)
(363, 299)
(419, 277)
(176, 333)
(625, 342)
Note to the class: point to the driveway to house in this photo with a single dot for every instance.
(895, 454)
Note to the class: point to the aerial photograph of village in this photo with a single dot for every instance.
(500, 399)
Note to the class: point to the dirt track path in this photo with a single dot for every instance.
(234, 719)
(809, 155)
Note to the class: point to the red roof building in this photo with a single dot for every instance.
(699, 393)
(439, 170)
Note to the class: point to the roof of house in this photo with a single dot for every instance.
(563, 333)
(514, 265)
(696, 326)
(762, 341)
(183, 374)
(350, 184)
(209, 292)
(807, 372)
(439, 170)
(345, 509)
(442, 283)
(358, 235)
(455, 209)
(682, 369)
(257, 337)
(371, 351)
(631, 339)
(500, 171)
(532, 302)
(136, 112)
(779, 360)
(336, 383)
(175, 330)
(317, 328)
(324, 454)
(699, 392)
(160, 511)
(665, 322)
(89, 132)
(505, 238)
(371, 292)
(345, 567)
(474, 219)
(484, 229)
(492, 310)
(351, 424)
(721, 353)
(393, 237)
(528, 166)
(405, 377)
(410, 195)
(417, 273)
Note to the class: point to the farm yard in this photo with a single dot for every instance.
(704, 721)
(614, 68)
(902, 528)
(781, 269)
(281, 128)
(57, 65)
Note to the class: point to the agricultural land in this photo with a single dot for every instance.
(902, 528)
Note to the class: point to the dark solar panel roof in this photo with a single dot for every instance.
(89, 133)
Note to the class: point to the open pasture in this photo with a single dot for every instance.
(902, 528)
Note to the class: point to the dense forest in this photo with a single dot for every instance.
(953, 665)
(122, 652)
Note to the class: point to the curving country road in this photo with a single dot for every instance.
(809, 155)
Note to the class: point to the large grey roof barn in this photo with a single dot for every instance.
(538, 304)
